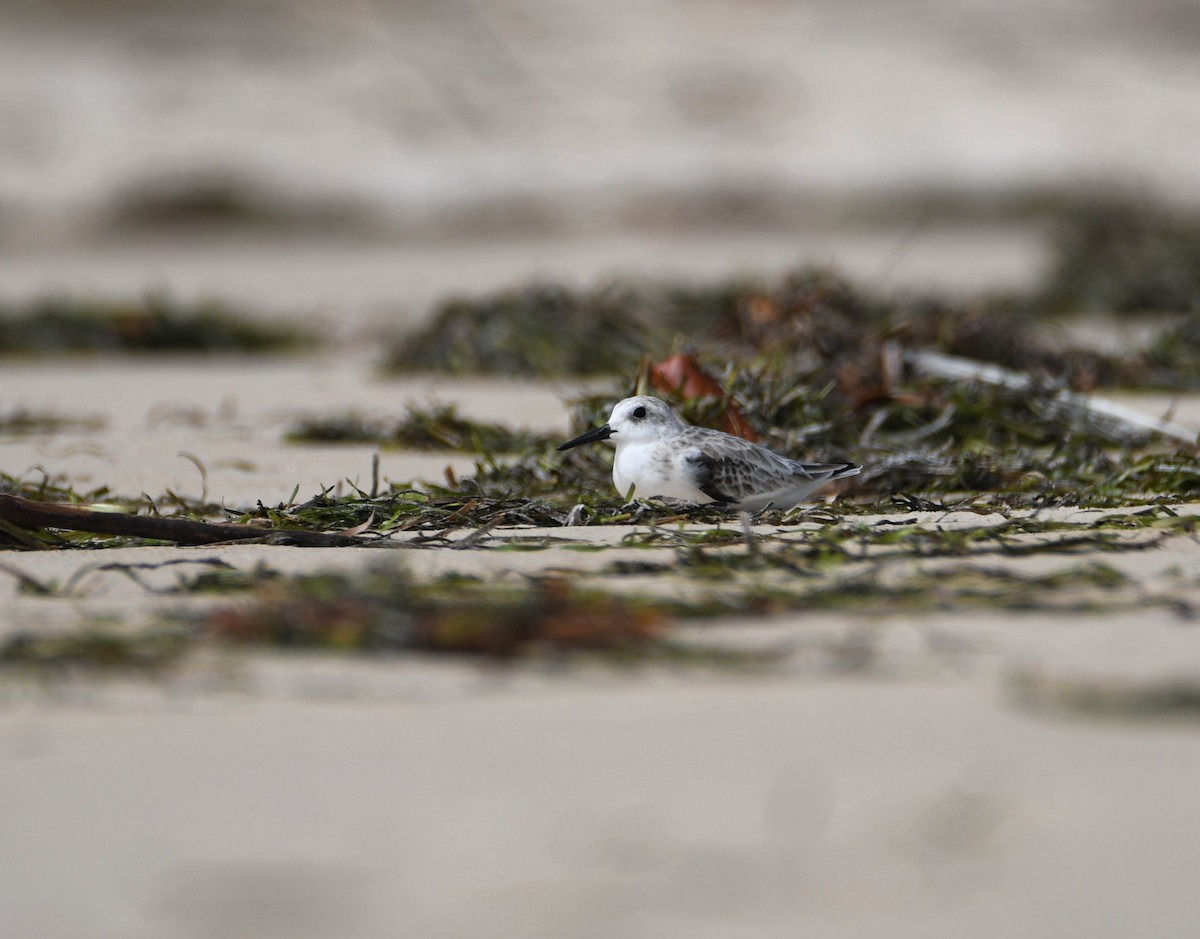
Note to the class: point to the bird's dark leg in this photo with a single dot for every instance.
(636, 508)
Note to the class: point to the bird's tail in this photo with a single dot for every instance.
(831, 471)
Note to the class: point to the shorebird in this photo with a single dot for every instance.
(658, 454)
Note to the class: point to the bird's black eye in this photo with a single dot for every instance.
(638, 413)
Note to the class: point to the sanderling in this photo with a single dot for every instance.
(660, 455)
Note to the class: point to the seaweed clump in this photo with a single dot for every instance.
(384, 611)
(156, 324)
(919, 434)
(439, 427)
(96, 648)
(1110, 254)
(1173, 357)
(24, 422)
(809, 314)
(1115, 255)
(544, 329)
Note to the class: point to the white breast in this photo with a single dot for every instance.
(650, 469)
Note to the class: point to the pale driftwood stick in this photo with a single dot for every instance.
(1108, 418)
(26, 513)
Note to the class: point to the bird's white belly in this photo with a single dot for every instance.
(651, 471)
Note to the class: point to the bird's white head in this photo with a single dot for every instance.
(640, 419)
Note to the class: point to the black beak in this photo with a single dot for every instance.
(590, 436)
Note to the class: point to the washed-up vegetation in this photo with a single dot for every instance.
(96, 647)
(822, 374)
(544, 329)
(46, 487)
(921, 441)
(382, 610)
(810, 314)
(858, 568)
(62, 502)
(934, 437)
(1112, 256)
(825, 388)
(378, 610)
(809, 365)
(439, 427)
(26, 421)
(1124, 256)
(1107, 696)
(190, 202)
(1173, 358)
(26, 521)
(153, 324)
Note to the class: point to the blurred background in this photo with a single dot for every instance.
(358, 160)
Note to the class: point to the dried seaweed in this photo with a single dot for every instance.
(1172, 359)
(25, 422)
(1111, 255)
(933, 437)
(96, 647)
(860, 567)
(925, 435)
(810, 315)
(1106, 696)
(544, 329)
(1124, 256)
(439, 427)
(24, 517)
(155, 324)
(383, 611)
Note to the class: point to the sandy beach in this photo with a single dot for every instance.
(1008, 754)
(886, 774)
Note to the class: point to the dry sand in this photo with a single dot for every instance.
(589, 806)
(353, 287)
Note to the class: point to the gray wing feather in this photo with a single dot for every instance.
(731, 469)
(706, 475)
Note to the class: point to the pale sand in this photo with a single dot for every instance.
(315, 795)
(231, 416)
(596, 805)
(363, 288)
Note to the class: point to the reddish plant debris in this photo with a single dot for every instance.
(380, 613)
(683, 376)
